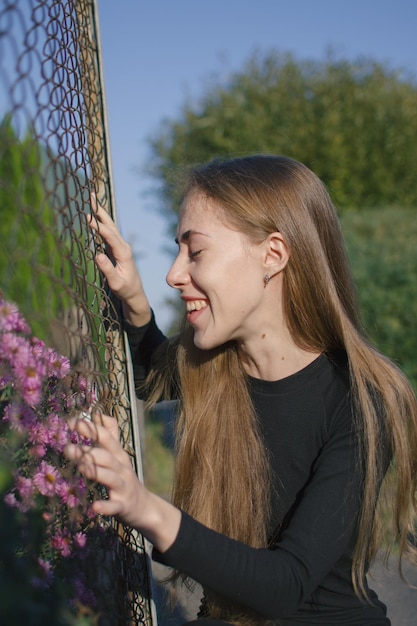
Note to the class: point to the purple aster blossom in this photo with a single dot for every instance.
(29, 379)
(38, 451)
(82, 394)
(73, 493)
(80, 539)
(10, 318)
(57, 365)
(11, 500)
(20, 416)
(89, 513)
(83, 594)
(24, 487)
(15, 349)
(32, 390)
(21, 497)
(38, 434)
(38, 348)
(47, 479)
(57, 432)
(54, 397)
(45, 576)
(31, 374)
(61, 542)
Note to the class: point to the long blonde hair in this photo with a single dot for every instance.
(221, 463)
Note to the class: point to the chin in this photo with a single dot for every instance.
(207, 343)
(204, 345)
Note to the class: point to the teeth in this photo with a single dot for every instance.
(196, 305)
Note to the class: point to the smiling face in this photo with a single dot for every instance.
(219, 272)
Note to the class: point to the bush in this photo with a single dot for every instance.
(383, 253)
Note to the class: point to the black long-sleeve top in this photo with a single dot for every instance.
(307, 425)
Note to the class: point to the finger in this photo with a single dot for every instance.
(105, 264)
(108, 422)
(101, 435)
(99, 219)
(103, 223)
(76, 452)
(102, 226)
(93, 201)
(102, 469)
(100, 212)
(114, 240)
(99, 465)
(119, 484)
(108, 508)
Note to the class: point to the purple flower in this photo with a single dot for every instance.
(57, 431)
(15, 349)
(47, 479)
(80, 539)
(83, 593)
(10, 500)
(61, 542)
(11, 320)
(38, 451)
(45, 575)
(38, 434)
(72, 493)
(30, 380)
(20, 417)
(57, 365)
(32, 390)
(38, 348)
(24, 489)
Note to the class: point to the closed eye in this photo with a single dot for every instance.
(193, 255)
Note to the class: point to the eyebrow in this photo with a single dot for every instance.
(187, 234)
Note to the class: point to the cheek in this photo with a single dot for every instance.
(230, 279)
(242, 286)
(230, 274)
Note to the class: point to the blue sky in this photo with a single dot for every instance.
(158, 52)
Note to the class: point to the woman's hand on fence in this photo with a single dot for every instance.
(119, 267)
(107, 463)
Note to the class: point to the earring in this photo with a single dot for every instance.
(267, 278)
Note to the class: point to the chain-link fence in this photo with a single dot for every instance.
(53, 155)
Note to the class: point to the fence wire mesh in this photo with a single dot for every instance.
(53, 155)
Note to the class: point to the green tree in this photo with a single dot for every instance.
(45, 264)
(30, 263)
(383, 252)
(353, 123)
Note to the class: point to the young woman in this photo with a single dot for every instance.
(293, 435)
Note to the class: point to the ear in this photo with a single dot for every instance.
(276, 253)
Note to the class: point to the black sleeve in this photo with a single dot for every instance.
(276, 582)
(143, 342)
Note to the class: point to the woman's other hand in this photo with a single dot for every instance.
(121, 273)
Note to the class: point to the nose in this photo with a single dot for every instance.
(178, 275)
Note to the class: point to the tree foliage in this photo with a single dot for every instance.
(353, 123)
(30, 264)
(45, 266)
(383, 253)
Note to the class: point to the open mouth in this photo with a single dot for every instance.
(196, 305)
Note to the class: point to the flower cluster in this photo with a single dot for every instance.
(38, 392)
